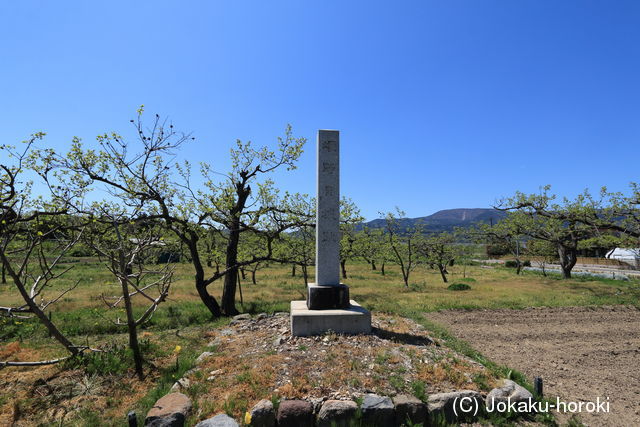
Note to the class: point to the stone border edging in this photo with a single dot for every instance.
(374, 410)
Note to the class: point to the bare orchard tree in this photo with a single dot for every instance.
(140, 176)
(402, 243)
(439, 250)
(544, 251)
(560, 224)
(298, 246)
(124, 245)
(35, 236)
(349, 218)
(508, 233)
(369, 245)
(230, 201)
(609, 213)
(621, 213)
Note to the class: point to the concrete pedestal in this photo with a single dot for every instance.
(305, 322)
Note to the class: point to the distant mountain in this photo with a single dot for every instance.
(446, 220)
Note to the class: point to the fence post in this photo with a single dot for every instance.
(537, 386)
(133, 420)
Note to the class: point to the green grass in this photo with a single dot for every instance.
(84, 317)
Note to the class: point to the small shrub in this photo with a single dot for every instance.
(514, 264)
(418, 389)
(459, 287)
(80, 251)
(417, 287)
(482, 381)
(396, 382)
(114, 361)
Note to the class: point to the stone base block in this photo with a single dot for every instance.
(305, 322)
(327, 297)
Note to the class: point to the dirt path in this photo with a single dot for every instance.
(581, 353)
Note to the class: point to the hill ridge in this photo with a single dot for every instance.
(445, 219)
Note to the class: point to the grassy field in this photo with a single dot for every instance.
(184, 321)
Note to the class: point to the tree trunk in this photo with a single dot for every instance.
(209, 263)
(373, 265)
(343, 266)
(132, 328)
(4, 276)
(405, 277)
(242, 273)
(231, 261)
(253, 274)
(518, 266)
(305, 275)
(231, 278)
(293, 270)
(382, 268)
(201, 286)
(208, 300)
(229, 293)
(443, 272)
(568, 257)
(181, 251)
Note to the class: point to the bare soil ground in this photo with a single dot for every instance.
(580, 352)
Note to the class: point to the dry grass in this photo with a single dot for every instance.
(79, 313)
(400, 357)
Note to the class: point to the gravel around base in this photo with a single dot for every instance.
(581, 352)
(257, 358)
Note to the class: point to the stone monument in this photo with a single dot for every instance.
(328, 306)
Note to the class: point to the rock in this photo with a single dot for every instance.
(441, 405)
(169, 411)
(295, 413)
(244, 316)
(227, 332)
(317, 403)
(337, 413)
(215, 343)
(203, 356)
(220, 420)
(262, 414)
(181, 384)
(508, 391)
(409, 408)
(262, 316)
(278, 341)
(377, 411)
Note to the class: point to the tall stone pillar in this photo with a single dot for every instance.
(328, 292)
(328, 307)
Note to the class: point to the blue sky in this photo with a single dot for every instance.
(440, 105)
